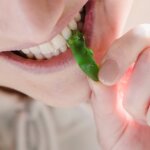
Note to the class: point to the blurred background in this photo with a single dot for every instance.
(139, 14)
(51, 128)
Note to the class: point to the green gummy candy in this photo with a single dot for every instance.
(83, 55)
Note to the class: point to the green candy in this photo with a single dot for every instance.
(83, 55)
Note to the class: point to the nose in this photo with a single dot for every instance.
(27, 21)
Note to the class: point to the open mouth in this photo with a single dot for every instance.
(55, 52)
(57, 45)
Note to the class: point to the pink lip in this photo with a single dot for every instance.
(40, 66)
(55, 63)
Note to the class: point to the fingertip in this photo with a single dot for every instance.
(109, 72)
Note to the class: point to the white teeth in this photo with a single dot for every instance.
(63, 48)
(46, 48)
(56, 52)
(36, 52)
(48, 55)
(66, 33)
(77, 17)
(56, 46)
(28, 53)
(58, 41)
(73, 25)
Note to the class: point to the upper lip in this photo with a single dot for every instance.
(61, 23)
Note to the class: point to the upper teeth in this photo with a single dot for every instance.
(56, 46)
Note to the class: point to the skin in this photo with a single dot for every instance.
(44, 87)
(117, 130)
(125, 118)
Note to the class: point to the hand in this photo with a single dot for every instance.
(116, 129)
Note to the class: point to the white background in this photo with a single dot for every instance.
(140, 13)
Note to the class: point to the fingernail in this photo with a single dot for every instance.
(109, 72)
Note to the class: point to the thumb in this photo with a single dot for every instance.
(123, 53)
(110, 118)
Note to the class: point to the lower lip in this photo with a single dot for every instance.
(55, 63)
(40, 66)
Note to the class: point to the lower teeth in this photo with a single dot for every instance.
(57, 45)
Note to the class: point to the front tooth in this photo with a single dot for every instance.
(58, 41)
(45, 48)
(36, 52)
(78, 17)
(73, 25)
(66, 33)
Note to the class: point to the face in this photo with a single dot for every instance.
(53, 78)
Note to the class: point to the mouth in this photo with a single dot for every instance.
(54, 54)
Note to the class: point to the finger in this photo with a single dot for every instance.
(110, 118)
(136, 100)
(123, 53)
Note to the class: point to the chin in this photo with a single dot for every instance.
(68, 97)
(63, 88)
(66, 88)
